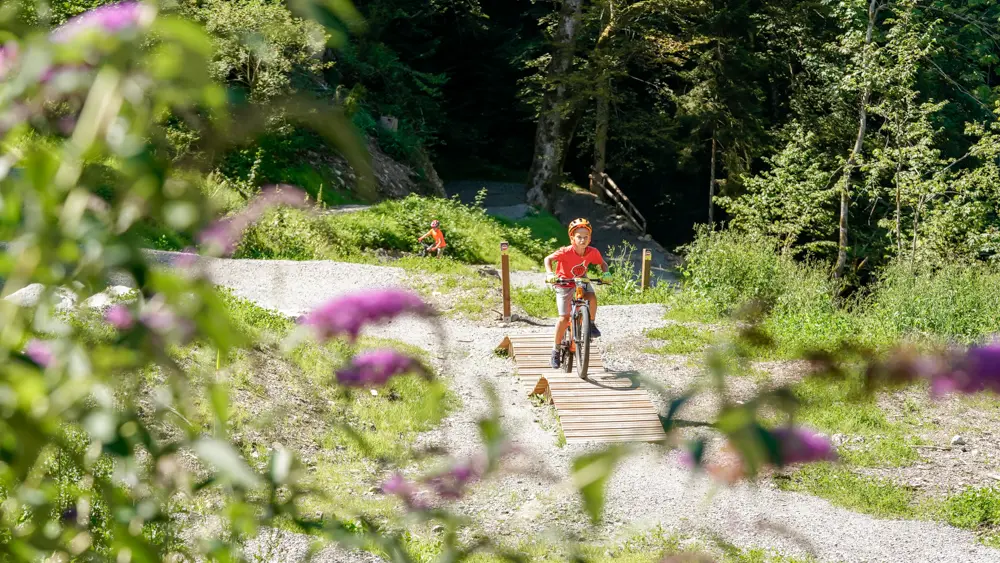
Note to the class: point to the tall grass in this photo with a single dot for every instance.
(393, 226)
(926, 302)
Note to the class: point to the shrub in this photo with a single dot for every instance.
(956, 301)
(730, 269)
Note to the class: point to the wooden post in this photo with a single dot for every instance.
(505, 280)
(647, 259)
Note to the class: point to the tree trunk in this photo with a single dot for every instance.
(603, 118)
(711, 188)
(845, 189)
(899, 230)
(545, 166)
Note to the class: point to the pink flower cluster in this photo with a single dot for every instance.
(347, 315)
(39, 352)
(978, 370)
(222, 236)
(375, 368)
(447, 485)
(972, 371)
(801, 445)
(108, 19)
(794, 445)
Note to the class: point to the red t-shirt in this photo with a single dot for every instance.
(567, 259)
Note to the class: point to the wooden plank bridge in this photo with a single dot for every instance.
(602, 408)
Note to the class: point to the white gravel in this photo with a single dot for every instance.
(648, 488)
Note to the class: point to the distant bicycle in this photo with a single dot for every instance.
(576, 341)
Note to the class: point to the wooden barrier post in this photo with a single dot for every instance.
(505, 280)
(647, 259)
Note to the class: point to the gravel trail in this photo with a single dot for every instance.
(648, 489)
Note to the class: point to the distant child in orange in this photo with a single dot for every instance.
(572, 261)
(438, 236)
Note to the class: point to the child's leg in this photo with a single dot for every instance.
(560, 330)
(592, 299)
(563, 295)
(440, 252)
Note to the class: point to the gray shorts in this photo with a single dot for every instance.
(564, 297)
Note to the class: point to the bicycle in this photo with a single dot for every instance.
(576, 341)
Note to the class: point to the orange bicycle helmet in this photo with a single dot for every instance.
(580, 223)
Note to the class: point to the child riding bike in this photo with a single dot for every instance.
(438, 236)
(577, 254)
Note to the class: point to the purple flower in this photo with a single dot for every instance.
(405, 490)
(376, 367)
(801, 445)
(119, 317)
(222, 236)
(452, 483)
(105, 19)
(348, 314)
(39, 352)
(186, 258)
(978, 370)
(8, 57)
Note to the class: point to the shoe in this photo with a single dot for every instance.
(555, 359)
(594, 331)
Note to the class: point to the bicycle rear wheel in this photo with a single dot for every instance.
(582, 323)
(567, 351)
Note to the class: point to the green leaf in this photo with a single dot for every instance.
(280, 466)
(224, 459)
(590, 474)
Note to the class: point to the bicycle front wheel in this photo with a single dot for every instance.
(582, 323)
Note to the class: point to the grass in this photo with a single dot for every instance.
(680, 339)
(842, 487)
(544, 227)
(647, 547)
(976, 509)
(348, 438)
(393, 227)
(922, 302)
(466, 293)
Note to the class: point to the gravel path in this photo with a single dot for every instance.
(649, 488)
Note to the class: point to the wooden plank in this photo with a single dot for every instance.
(625, 434)
(611, 439)
(608, 402)
(643, 417)
(601, 424)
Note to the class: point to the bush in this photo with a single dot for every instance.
(730, 269)
(974, 508)
(955, 301)
(394, 225)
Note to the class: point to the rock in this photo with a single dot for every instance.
(838, 439)
(958, 440)
(858, 439)
(437, 529)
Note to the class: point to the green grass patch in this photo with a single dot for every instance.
(391, 226)
(976, 509)
(840, 486)
(680, 339)
(348, 438)
(544, 227)
(835, 407)
(648, 547)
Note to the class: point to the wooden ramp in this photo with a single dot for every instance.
(602, 408)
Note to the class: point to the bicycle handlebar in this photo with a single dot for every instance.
(598, 281)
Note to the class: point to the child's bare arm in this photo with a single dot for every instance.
(548, 262)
